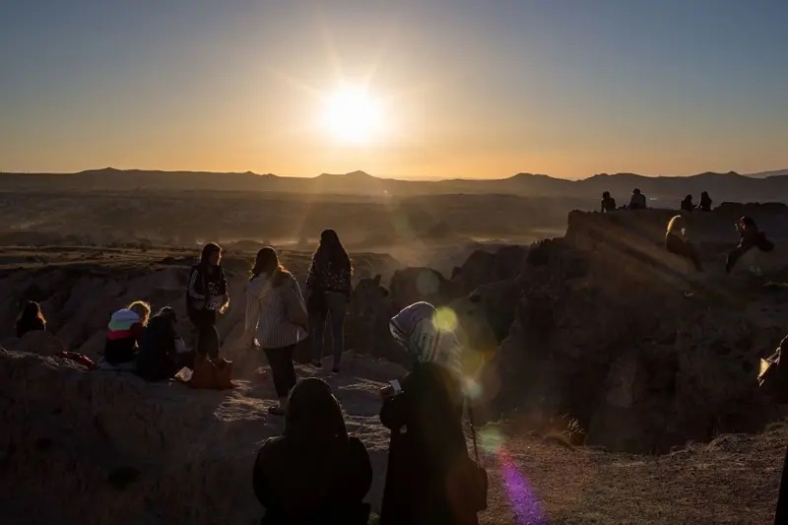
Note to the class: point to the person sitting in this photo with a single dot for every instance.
(751, 238)
(705, 202)
(314, 473)
(427, 447)
(686, 204)
(30, 319)
(161, 352)
(608, 202)
(638, 200)
(676, 241)
(123, 333)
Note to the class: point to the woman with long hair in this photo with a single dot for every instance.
(314, 473)
(428, 466)
(676, 241)
(276, 319)
(30, 318)
(328, 290)
(207, 296)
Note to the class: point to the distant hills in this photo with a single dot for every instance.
(764, 186)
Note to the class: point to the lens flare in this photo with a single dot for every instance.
(445, 319)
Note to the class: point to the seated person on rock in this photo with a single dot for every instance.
(676, 241)
(123, 333)
(705, 202)
(686, 204)
(161, 351)
(751, 237)
(637, 201)
(608, 202)
(314, 473)
(30, 319)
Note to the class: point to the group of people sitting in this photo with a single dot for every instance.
(316, 473)
(638, 202)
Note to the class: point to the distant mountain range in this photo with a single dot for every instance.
(764, 186)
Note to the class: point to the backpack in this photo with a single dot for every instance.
(773, 375)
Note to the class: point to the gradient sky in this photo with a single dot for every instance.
(470, 88)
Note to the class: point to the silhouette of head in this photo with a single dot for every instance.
(606, 195)
(330, 249)
(30, 310)
(211, 254)
(168, 313)
(747, 222)
(314, 414)
(266, 261)
(704, 194)
(142, 309)
(636, 191)
(688, 198)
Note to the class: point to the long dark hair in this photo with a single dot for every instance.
(208, 250)
(267, 262)
(314, 415)
(30, 311)
(330, 251)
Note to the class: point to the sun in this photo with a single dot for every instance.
(352, 115)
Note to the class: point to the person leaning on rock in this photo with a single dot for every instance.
(751, 237)
(206, 297)
(314, 473)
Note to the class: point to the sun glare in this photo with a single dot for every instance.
(353, 116)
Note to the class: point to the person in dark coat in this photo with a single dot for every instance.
(427, 451)
(686, 204)
(159, 357)
(608, 202)
(676, 241)
(751, 237)
(705, 202)
(314, 474)
(781, 514)
(30, 319)
(206, 297)
(637, 201)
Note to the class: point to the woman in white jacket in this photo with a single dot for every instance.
(276, 320)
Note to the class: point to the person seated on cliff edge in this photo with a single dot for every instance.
(676, 241)
(123, 333)
(705, 202)
(428, 458)
(686, 204)
(608, 202)
(751, 237)
(207, 296)
(637, 201)
(314, 473)
(161, 351)
(30, 319)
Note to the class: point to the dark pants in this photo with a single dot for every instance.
(679, 246)
(334, 311)
(207, 335)
(281, 361)
(748, 243)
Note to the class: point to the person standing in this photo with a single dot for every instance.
(328, 290)
(206, 297)
(276, 319)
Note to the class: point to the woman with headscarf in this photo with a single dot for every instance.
(428, 458)
(328, 290)
(206, 297)
(314, 473)
(276, 320)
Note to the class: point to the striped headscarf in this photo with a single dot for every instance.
(414, 329)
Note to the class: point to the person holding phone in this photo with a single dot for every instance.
(207, 296)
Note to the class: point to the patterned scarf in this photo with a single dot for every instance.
(414, 329)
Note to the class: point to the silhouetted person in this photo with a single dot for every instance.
(751, 238)
(637, 201)
(30, 318)
(686, 204)
(608, 202)
(427, 450)
(276, 319)
(328, 292)
(206, 297)
(123, 333)
(705, 202)
(161, 351)
(314, 473)
(676, 241)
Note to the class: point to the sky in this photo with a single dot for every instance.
(472, 89)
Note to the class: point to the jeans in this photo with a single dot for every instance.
(281, 361)
(336, 305)
(207, 335)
